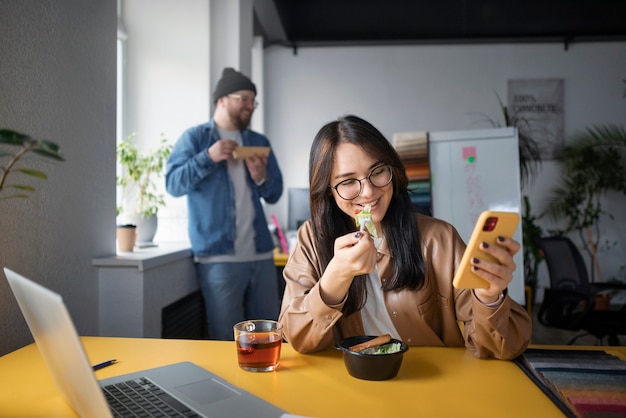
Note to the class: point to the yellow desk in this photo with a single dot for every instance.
(280, 259)
(432, 382)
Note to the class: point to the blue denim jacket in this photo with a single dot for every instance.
(210, 195)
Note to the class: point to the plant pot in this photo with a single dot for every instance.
(126, 236)
(602, 302)
(146, 229)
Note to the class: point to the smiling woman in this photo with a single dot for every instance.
(372, 193)
(341, 283)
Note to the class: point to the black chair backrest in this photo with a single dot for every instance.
(566, 266)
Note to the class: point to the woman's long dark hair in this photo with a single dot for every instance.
(329, 222)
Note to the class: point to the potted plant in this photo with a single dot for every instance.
(139, 172)
(15, 146)
(529, 151)
(593, 164)
(532, 254)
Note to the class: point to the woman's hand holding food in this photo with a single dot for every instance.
(354, 254)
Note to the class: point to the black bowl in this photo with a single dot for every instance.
(371, 366)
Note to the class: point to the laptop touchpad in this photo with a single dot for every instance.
(207, 391)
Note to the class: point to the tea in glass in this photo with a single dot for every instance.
(258, 344)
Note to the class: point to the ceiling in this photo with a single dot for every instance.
(301, 23)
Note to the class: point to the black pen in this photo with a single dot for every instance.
(104, 364)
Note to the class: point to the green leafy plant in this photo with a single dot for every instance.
(140, 171)
(533, 256)
(529, 150)
(593, 164)
(15, 147)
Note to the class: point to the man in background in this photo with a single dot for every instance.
(230, 240)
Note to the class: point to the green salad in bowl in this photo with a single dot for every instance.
(383, 349)
(372, 358)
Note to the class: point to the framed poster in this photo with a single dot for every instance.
(537, 106)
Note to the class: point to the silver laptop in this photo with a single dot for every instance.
(186, 385)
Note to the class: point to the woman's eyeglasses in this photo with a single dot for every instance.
(350, 189)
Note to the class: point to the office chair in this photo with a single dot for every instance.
(570, 301)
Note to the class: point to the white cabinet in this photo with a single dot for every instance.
(134, 287)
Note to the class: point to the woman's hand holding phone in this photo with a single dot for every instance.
(487, 264)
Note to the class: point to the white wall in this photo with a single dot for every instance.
(167, 67)
(432, 88)
(167, 83)
(57, 81)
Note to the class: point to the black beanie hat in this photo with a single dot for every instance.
(230, 82)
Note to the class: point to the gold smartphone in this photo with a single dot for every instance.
(489, 226)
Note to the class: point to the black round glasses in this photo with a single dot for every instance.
(350, 189)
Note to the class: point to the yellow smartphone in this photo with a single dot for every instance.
(489, 226)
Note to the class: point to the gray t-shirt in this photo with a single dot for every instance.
(244, 211)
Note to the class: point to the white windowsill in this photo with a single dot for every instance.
(146, 258)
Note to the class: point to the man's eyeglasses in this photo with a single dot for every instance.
(350, 189)
(248, 101)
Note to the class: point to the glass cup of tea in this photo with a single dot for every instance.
(258, 344)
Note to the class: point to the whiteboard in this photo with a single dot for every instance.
(476, 170)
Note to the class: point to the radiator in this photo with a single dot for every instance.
(185, 318)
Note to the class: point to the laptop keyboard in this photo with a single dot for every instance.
(142, 398)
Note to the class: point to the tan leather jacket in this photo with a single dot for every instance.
(426, 317)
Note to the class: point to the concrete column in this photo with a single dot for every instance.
(258, 119)
(231, 38)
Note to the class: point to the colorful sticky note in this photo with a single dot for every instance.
(469, 154)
